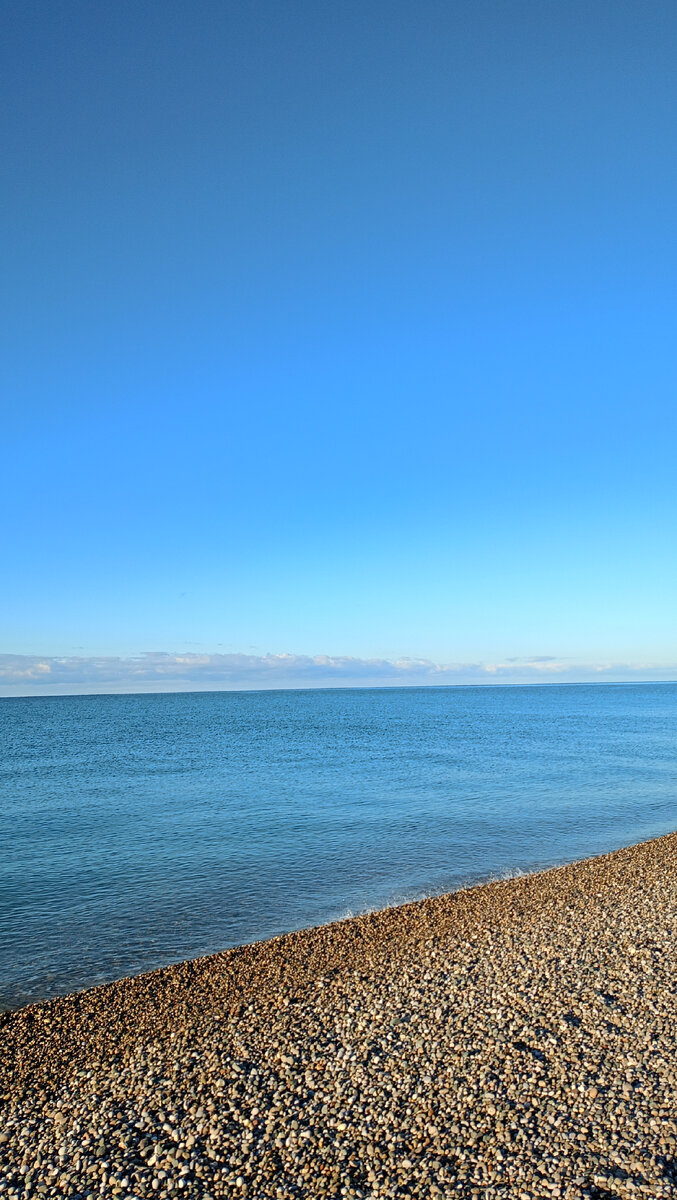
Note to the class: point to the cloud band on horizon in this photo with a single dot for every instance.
(25, 674)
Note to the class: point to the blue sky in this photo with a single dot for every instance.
(338, 330)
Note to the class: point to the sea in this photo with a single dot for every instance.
(139, 830)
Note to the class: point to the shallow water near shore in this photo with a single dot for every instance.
(140, 830)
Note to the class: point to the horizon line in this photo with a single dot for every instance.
(357, 687)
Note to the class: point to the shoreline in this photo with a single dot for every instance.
(513, 1038)
(470, 885)
(473, 884)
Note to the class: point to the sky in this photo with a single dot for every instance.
(338, 343)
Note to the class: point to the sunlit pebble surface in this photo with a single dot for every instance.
(512, 1040)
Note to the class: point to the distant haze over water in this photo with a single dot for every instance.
(140, 830)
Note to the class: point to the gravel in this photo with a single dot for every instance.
(510, 1040)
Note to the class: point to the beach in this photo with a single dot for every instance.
(515, 1039)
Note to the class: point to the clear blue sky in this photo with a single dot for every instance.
(340, 329)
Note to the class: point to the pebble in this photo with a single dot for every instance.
(515, 1040)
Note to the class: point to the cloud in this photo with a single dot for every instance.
(534, 658)
(25, 674)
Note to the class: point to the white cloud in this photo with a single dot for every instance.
(24, 674)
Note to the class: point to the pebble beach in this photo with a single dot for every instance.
(515, 1039)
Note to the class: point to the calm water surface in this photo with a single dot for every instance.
(139, 830)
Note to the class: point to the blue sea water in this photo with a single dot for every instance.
(139, 830)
